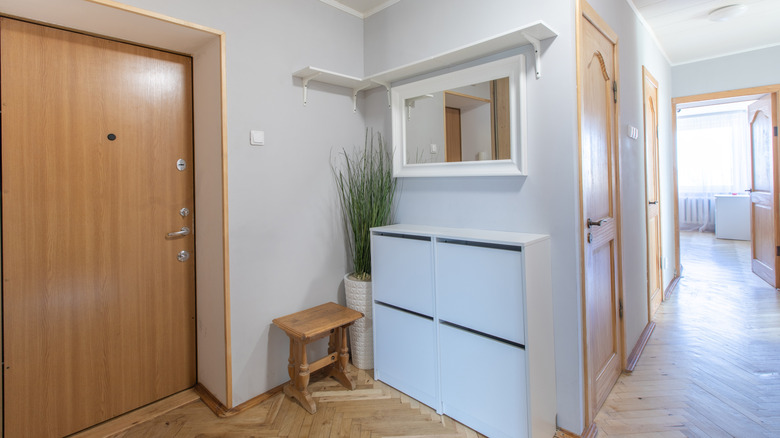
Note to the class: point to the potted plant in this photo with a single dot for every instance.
(366, 190)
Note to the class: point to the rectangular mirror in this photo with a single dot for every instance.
(467, 122)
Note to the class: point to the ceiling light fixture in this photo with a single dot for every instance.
(726, 13)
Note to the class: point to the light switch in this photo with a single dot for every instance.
(434, 148)
(633, 132)
(257, 138)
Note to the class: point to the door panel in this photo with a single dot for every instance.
(764, 257)
(599, 214)
(454, 152)
(653, 208)
(98, 314)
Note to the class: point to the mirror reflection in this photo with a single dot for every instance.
(470, 123)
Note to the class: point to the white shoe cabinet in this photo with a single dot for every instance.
(463, 323)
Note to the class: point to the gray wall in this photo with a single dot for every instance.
(286, 243)
(286, 246)
(744, 70)
(545, 201)
(637, 48)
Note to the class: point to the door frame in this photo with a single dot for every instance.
(585, 11)
(648, 78)
(734, 95)
(206, 46)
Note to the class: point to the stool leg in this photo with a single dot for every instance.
(291, 361)
(297, 388)
(339, 370)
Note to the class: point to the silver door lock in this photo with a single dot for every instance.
(181, 164)
(183, 256)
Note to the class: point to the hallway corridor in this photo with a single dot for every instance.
(712, 365)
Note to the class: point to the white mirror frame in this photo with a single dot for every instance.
(514, 68)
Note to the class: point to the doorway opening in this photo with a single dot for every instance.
(720, 154)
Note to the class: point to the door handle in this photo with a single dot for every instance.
(653, 202)
(749, 190)
(184, 231)
(596, 223)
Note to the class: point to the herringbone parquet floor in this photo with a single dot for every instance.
(712, 365)
(372, 410)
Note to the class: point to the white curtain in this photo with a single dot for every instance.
(713, 157)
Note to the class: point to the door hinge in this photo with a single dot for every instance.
(614, 90)
(778, 251)
(775, 131)
(620, 308)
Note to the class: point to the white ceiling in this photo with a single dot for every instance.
(681, 26)
(686, 35)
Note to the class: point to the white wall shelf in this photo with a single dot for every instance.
(532, 34)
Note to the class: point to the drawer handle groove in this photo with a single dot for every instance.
(483, 334)
(411, 312)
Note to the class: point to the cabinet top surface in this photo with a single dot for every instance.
(506, 237)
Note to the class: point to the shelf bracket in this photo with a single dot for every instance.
(537, 54)
(355, 92)
(387, 87)
(305, 81)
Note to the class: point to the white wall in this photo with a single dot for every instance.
(425, 127)
(286, 246)
(744, 70)
(637, 48)
(545, 201)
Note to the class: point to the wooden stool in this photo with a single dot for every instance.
(310, 325)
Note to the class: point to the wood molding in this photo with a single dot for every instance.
(590, 432)
(149, 412)
(672, 285)
(155, 15)
(633, 358)
(223, 411)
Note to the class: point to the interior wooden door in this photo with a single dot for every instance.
(763, 217)
(98, 313)
(600, 211)
(652, 193)
(453, 150)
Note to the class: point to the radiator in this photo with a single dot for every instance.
(697, 213)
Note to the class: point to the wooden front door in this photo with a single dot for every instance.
(763, 220)
(652, 193)
(600, 211)
(98, 313)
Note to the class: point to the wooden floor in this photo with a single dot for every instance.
(710, 369)
(373, 409)
(712, 365)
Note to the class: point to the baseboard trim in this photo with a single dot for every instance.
(633, 358)
(672, 286)
(222, 411)
(133, 418)
(590, 432)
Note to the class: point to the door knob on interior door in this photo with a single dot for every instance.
(183, 232)
(653, 202)
(597, 223)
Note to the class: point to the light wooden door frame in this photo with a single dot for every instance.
(715, 97)
(81, 297)
(652, 194)
(586, 14)
(207, 47)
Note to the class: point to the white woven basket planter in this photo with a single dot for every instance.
(361, 332)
